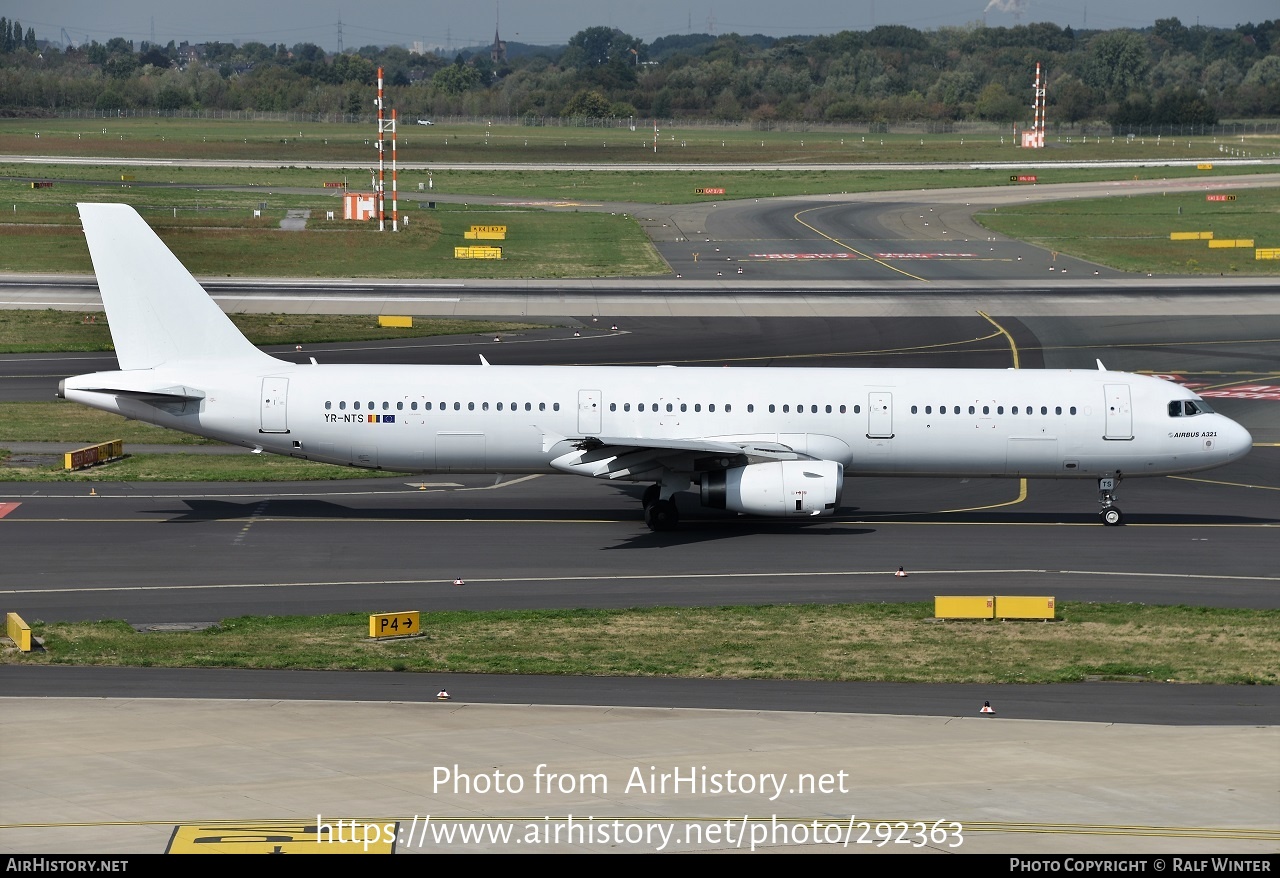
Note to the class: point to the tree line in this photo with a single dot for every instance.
(1168, 73)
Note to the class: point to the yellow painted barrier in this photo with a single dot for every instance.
(1231, 242)
(473, 235)
(399, 322)
(1023, 607)
(407, 624)
(963, 607)
(1267, 253)
(93, 455)
(1204, 166)
(1191, 236)
(490, 230)
(477, 252)
(19, 632)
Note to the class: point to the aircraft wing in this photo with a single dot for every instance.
(631, 457)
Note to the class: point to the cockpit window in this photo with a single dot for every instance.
(1185, 408)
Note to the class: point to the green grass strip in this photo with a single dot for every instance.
(868, 642)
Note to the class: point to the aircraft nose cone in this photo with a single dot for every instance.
(1237, 439)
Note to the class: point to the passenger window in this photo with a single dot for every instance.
(484, 406)
(928, 410)
(786, 409)
(712, 407)
(842, 410)
(640, 407)
(751, 407)
(356, 405)
(956, 409)
(327, 405)
(400, 406)
(1044, 410)
(813, 409)
(999, 410)
(856, 409)
(542, 406)
(972, 410)
(771, 408)
(457, 406)
(986, 409)
(1057, 410)
(370, 405)
(613, 406)
(684, 407)
(1072, 410)
(414, 406)
(528, 406)
(1014, 410)
(499, 406)
(555, 406)
(385, 405)
(727, 407)
(913, 410)
(828, 409)
(697, 406)
(342, 405)
(626, 406)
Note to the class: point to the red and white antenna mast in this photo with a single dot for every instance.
(1037, 130)
(384, 126)
(381, 173)
(395, 208)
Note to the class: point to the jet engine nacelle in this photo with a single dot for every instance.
(778, 488)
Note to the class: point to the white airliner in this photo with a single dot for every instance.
(773, 442)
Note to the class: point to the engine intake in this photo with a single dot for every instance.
(778, 488)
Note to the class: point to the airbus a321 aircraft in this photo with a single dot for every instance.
(769, 442)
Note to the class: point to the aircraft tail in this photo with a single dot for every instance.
(158, 313)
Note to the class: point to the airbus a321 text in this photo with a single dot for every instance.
(761, 441)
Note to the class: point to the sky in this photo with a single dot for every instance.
(450, 24)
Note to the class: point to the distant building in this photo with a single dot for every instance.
(188, 52)
(498, 51)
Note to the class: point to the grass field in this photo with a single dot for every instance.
(880, 642)
(145, 467)
(211, 239)
(446, 143)
(49, 330)
(162, 189)
(1133, 233)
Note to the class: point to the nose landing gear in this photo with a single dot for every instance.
(1110, 514)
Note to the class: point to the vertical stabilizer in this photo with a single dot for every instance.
(157, 312)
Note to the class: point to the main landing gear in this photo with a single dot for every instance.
(659, 514)
(1110, 513)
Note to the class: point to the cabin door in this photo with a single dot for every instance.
(1119, 412)
(274, 393)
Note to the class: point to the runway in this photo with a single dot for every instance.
(165, 553)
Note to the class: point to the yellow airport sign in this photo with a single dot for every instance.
(1204, 166)
(18, 631)
(405, 624)
(477, 252)
(91, 455)
(1231, 242)
(398, 322)
(963, 607)
(332, 836)
(1023, 607)
(1266, 253)
(1191, 236)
